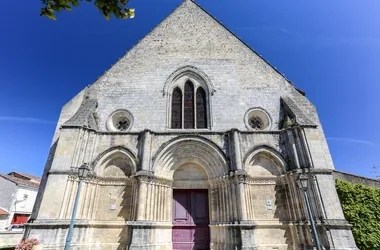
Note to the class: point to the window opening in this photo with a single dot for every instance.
(122, 124)
(201, 108)
(176, 108)
(256, 123)
(189, 105)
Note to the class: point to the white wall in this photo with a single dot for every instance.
(25, 199)
(21, 205)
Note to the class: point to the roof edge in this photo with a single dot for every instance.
(249, 47)
(204, 10)
(134, 45)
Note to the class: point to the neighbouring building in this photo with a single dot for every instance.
(195, 142)
(18, 192)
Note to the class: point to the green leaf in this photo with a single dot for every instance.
(117, 8)
(75, 3)
(361, 208)
(67, 7)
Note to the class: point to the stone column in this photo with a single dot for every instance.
(145, 154)
(292, 148)
(142, 198)
(235, 150)
(241, 197)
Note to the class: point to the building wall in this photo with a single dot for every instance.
(356, 179)
(7, 195)
(12, 200)
(20, 205)
(10, 239)
(26, 196)
(111, 199)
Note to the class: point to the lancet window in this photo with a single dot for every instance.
(177, 108)
(189, 107)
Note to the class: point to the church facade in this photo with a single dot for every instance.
(194, 142)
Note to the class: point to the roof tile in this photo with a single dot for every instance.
(24, 179)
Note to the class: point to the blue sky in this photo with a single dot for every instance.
(330, 49)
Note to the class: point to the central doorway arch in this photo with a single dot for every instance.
(190, 208)
(191, 163)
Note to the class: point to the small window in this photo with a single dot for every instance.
(257, 119)
(120, 120)
(256, 123)
(122, 124)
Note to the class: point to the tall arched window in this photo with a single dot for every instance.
(177, 108)
(201, 108)
(188, 109)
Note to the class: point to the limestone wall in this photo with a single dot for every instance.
(10, 239)
(356, 179)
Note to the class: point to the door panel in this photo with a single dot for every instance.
(190, 220)
(200, 208)
(181, 204)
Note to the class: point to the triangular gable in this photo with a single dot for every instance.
(232, 33)
(157, 35)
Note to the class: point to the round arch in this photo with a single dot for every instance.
(195, 150)
(264, 161)
(119, 161)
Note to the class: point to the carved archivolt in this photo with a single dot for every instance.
(115, 162)
(190, 150)
(264, 162)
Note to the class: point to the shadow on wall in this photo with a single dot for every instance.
(116, 199)
(282, 213)
(264, 164)
(41, 189)
(125, 213)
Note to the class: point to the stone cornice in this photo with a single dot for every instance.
(149, 178)
(326, 171)
(336, 224)
(59, 223)
(174, 131)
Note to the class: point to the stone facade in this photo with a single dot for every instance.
(253, 199)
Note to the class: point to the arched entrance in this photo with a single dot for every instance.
(191, 163)
(190, 208)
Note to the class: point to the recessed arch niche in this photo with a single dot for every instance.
(264, 162)
(116, 163)
(189, 176)
(265, 168)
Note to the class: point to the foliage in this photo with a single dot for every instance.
(106, 7)
(361, 207)
(27, 244)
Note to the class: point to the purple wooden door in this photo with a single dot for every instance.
(190, 220)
